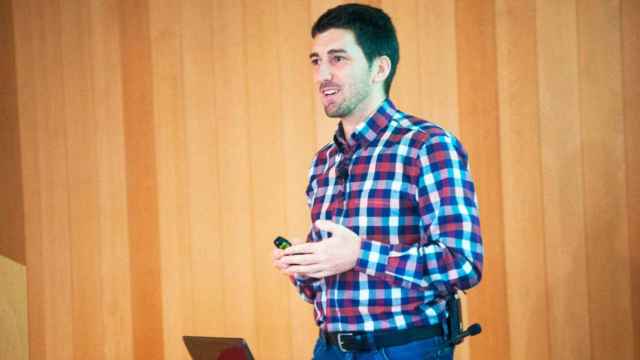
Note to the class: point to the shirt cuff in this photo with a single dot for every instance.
(373, 258)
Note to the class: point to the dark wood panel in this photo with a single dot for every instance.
(29, 101)
(631, 97)
(142, 186)
(12, 236)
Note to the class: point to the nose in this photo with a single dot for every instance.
(322, 72)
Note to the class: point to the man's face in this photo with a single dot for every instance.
(340, 72)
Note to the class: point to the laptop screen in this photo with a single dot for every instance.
(217, 348)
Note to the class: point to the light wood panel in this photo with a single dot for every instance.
(115, 278)
(82, 177)
(203, 172)
(522, 179)
(54, 186)
(165, 31)
(265, 139)
(562, 180)
(438, 63)
(236, 216)
(600, 67)
(163, 144)
(14, 343)
(407, 83)
(298, 146)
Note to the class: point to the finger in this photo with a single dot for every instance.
(319, 274)
(277, 254)
(306, 248)
(305, 269)
(280, 266)
(329, 226)
(304, 259)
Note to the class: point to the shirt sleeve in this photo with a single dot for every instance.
(306, 287)
(449, 257)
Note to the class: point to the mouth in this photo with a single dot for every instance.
(329, 93)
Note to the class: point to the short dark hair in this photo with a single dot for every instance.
(372, 28)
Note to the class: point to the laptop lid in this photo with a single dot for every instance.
(217, 348)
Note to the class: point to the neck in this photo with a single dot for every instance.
(361, 113)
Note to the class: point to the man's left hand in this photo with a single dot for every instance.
(333, 255)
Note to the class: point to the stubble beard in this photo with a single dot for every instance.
(348, 105)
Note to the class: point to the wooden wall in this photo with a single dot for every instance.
(12, 244)
(164, 143)
(14, 342)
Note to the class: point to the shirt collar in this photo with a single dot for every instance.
(367, 130)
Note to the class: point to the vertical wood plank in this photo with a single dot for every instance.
(265, 139)
(238, 256)
(406, 86)
(437, 63)
(201, 127)
(561, 145)
(631, 93)
(80, 123)
(12, 235)
(299, 147)
(112, 188)
(28, 88)
(479, 130)
(52, 135)
(165, 28)
(29, 85)
(142, 185)
(600, 70)
(522, 179)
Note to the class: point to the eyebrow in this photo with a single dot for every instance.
(330, 52)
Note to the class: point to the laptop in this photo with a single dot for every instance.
(217, 348)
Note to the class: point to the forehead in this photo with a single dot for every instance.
(335, 39)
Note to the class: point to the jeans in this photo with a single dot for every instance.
(429, 349)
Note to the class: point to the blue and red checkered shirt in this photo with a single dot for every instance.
(403, 185)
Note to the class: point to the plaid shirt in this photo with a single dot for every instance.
(403, 185)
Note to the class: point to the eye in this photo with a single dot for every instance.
(315, 61)
(338, 58)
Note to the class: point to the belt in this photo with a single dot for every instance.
(367, 341)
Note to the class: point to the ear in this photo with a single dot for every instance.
(381, 69)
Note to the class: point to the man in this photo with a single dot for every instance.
(396, 228)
